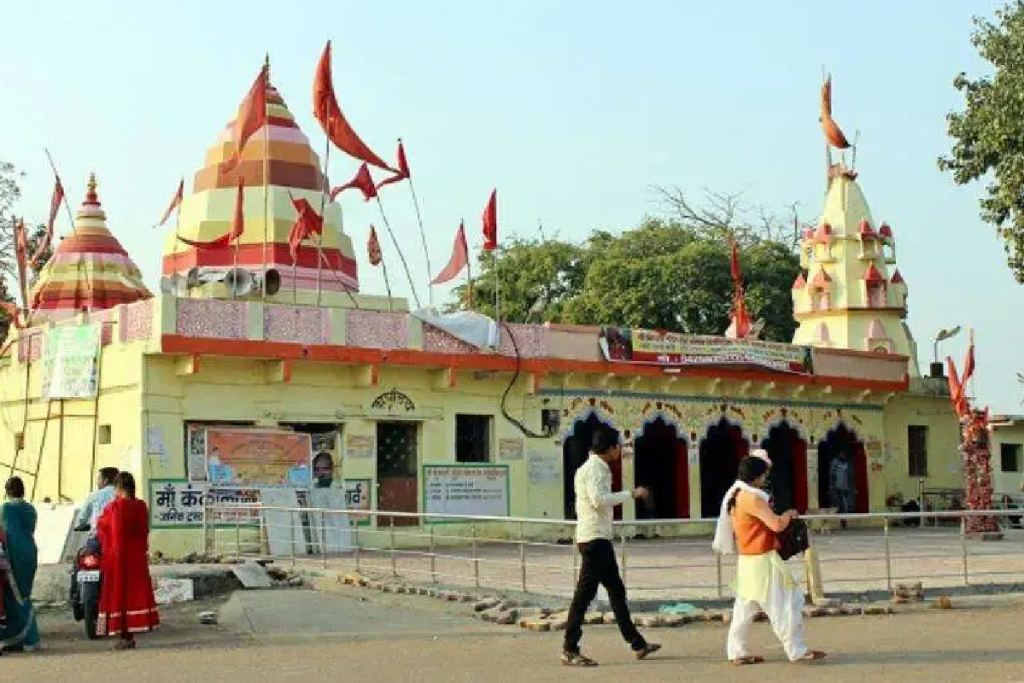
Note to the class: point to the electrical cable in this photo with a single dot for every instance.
(529, 433)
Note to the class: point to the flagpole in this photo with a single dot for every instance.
(56, 175)
(423, 237)
(177, 234)
(387, 283)
(266, 177)
(394, 241)
(323, 207)
(469, 272)
(497, 288)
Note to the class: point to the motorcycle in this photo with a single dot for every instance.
(86, 582)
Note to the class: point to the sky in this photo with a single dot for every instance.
(573, 109)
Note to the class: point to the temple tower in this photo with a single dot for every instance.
(89, 269)
(851, 295)
(277, 164)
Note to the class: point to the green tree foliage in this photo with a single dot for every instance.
(988, 135)
(663, 274)
(10, 193)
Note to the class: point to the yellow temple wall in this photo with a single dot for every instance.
(944, 469)
(1007, 481)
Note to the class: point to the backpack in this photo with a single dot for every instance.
(794, 539)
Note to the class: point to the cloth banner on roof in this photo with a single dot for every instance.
(651, 347)
(471, 327)
(70, 361)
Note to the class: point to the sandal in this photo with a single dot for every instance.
(812, 656)
(576, 659)
(746, 661)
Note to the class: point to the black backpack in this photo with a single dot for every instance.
(794, 539)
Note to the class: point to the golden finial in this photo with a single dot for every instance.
(90, 196)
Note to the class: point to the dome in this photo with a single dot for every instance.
(89, 269)
(276, 165)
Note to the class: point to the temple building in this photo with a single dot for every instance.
(243, 380)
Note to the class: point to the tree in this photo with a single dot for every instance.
(10, 192)
(660, 275)
(988, 135)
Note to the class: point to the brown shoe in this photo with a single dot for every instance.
(576, 659)
(649, 648)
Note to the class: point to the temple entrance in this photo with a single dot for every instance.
(659, 464)
(843, 440)
(788, 480)
(575, 451)
(397, 483)
(721, 450)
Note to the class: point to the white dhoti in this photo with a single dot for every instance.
(764, 583)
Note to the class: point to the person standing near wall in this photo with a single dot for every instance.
(595, 503)
(840, 480)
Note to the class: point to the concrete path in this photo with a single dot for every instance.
(303, 636)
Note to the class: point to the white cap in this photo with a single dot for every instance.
(762, 454)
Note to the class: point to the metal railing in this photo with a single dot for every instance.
(661, 559)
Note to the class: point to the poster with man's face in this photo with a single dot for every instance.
(326, 461)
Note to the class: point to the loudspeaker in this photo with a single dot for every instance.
(239, 281)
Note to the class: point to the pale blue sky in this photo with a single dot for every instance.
(572, 108)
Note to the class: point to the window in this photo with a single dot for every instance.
(19, 441)
(1010, 456)
(917, 450)
(104, 434)
(473, 438)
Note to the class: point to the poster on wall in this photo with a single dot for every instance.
(326, 463)
(357, 498)
(466, 490)
(195, 453)
(241, 458)
(651, 347)
(179, 503)
(70, 361)
(511, 449)
(544, 469)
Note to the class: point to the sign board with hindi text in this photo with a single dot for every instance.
(70, 361)
(466, 489)
(652, 347)
(175, 503)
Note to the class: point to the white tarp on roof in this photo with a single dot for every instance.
(471, 327)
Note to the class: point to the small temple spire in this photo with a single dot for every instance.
(90, 195)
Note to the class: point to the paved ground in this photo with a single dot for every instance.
(350, 634)
(662, 569)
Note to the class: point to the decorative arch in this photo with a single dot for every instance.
(670, 421)
(661, 464)
(721, 446)
(575, 449)
(583, 417)
(842, 437)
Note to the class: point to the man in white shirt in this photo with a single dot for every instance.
(595, 505)
(97, 501)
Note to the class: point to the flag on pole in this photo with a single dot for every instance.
(969, 362)
(362, 181)
(333, 121)
(252, 115)
(739, 328)
(237, 226)
(307, 223)
(55, 200)
(403, 169)
(458, 260)
(373, 248)
(179, 195)
(490, 222)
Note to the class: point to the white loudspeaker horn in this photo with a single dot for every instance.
(166, 285)
(239, 281)
(192, 278)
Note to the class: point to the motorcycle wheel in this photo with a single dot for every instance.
(90, 595)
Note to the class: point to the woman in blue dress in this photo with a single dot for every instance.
(20, 631)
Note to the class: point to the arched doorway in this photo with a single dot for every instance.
(575, 451)
(721, 450)
(788, 480)
(659, 464)
(843, 440)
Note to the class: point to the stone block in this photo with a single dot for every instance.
(558, 623)
(648, 620)
(486, 603)
(536, 625)
(609, 617)
(506, 617)
(593, 618)
(674, 620)
(942, 602)
(812, 612)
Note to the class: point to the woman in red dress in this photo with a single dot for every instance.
(127, 603)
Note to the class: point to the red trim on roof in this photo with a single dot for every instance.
(823, 233)
(872, 275)
(251, 348)
(821, 279)
(884, 230)
(800, 282)
(897, 279)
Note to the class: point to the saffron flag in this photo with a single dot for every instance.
(956, 389)
(458, 261)
(333, 121)
(237, 227)
(734, 264)
(175, 203)
(307, 223)
(373, 248)
(21, 255)
(740, 326)
(403, 169)
(968, 363)
(252, 115)
(55, 200)
(362, 181)
(490, 220)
